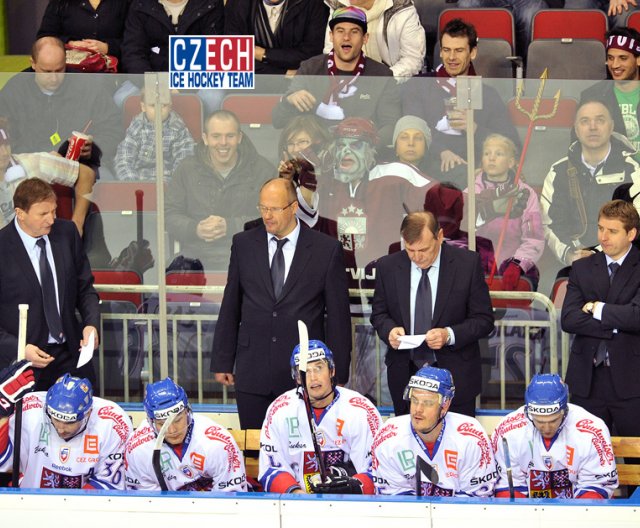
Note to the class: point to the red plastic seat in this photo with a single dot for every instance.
(252, 110)
(524, 285)
(118, 277)
(195, 278)
(569, 24)
(490, 23)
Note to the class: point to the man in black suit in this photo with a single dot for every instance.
(54, 335)
(257, 327)
(439, 291)
(601, 309)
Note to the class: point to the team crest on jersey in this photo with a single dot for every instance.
(548, 462)
(52, 479)
(186, 470)
(64, 454)
(322, 441)
(352, 228)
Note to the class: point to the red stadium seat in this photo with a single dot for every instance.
(523, 285)
(633, 20)
(570, 24)
(558, 292)
(118, 277)
(252, 110)
(187, 106)
(195, 278)
(490, 23)
(120, 196)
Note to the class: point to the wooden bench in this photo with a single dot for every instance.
(623, 446)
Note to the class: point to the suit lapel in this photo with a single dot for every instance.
(446, 278)
(403, 285)
(600, 276)
(24, 262)
(625, 273)
(59, 258)
(301, 258)
(261, 250)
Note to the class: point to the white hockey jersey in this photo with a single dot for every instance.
(345, 431)
(462, 458)
(92, 459)
(209, 459)
(579, 460)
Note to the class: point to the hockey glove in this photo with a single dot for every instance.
(511, 276)
(335, 484)
(15, 381)
(304, 175)
(492, 203)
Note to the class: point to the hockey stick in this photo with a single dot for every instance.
(507, 463)
(302, 367)
(17, 427)
(424, 468)
(155, 459)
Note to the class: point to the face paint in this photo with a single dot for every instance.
(353, 158)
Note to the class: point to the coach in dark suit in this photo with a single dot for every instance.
(440, 291)
(602, 309)
(257, 327)
(53, 341)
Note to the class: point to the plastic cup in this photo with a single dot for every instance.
(76, 142)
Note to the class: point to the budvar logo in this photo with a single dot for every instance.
(211, 62)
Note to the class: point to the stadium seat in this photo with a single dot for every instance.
(524, 285)
(188, 106)
(558, 292)
(633, 20)
(566, 59)
(429, 13)
(496, 37)
(549, 139)
(195, 278)
(126, 277)
(569, 24)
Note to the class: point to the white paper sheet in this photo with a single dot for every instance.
(86, 352)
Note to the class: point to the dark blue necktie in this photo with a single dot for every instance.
(277, 267)
(422, 320)
(49, 299)
(601, 353)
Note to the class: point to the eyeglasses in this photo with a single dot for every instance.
(300, 144)
(274, 210)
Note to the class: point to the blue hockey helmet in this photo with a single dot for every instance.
(164, 398)
(432, 379)
(317, 351)
(69, 399)
(547, 394)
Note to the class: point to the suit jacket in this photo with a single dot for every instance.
(462, 303)
(589, 281)
(19, 284)
(257, 333)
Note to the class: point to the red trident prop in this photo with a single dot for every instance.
(534, 117)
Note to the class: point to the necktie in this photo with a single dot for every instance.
(277, 267)
(422, 321)
(601, 353)
(49, 294)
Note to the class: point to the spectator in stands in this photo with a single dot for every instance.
(97, 25)
(149, 24)
(136, 155)
(446, 202)
(87, 434)
(345, 423)
(45, 108)
(555, 449)
(411, 141)
(523, 234)
(330, 86)
(575, 187)
(622, 97)
(434, 102)
(396, 36)
(215, 462)
(367, 200)
(523, 13)
(206, 201)
(286, 32)
(50, 167)
(601, 309)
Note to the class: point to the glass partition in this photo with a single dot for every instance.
(147, 243)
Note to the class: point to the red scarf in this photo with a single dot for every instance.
(341, 85)
(448, 83)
